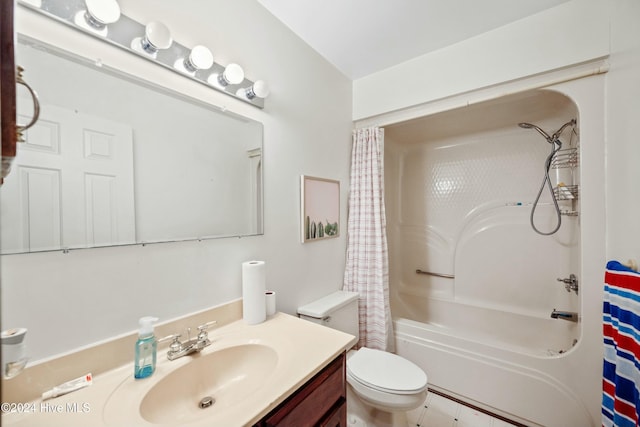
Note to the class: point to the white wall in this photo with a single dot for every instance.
(571, 33)
(74, 299)
(623, 142)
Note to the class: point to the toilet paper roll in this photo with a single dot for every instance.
(254, 309)
(271, 302)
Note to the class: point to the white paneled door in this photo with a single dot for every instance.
(73, 184)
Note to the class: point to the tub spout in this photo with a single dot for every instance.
(571, 316)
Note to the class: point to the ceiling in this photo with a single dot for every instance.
(360, 37)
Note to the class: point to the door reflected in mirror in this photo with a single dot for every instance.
(114, 161)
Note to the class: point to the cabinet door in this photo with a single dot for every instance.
(309, 406)
(337, 417)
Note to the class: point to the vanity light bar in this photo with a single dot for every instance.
(153, 41)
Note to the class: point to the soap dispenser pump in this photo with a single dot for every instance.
(146, 348)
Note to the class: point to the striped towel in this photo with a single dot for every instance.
(621, 329)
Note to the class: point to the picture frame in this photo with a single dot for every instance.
(320, 208)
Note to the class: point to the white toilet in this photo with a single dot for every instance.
(382, 380)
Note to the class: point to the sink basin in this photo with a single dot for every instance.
(228, 378)
(222, 378)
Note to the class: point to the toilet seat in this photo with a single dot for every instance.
(386, 372)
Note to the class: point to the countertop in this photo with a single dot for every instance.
(303, 349)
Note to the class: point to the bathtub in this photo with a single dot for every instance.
(506, 363)
(529, 335)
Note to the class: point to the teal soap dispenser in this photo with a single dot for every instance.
(146, 347)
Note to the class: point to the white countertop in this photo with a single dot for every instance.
(114, 398)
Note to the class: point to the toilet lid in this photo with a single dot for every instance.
(386, 371)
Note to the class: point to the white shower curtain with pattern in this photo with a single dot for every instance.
(367, 264)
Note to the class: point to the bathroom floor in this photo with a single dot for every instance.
(437, 411)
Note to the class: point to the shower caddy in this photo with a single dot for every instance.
(567, 158)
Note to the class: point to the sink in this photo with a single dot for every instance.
(203, 387)
(222, 378)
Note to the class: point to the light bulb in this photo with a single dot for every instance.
(156, 36)
(232, 75)
(98, 14)
(258, 89)
(102, 12)
(200, 58)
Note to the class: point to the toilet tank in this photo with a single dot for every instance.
(338, 310)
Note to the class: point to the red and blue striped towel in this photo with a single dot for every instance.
(621, 329)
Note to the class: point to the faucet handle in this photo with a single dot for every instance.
(173, 337)
(206, 326)
(175, 345)
(570, 283)
(203, 336)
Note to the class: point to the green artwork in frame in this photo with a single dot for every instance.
(320, 208)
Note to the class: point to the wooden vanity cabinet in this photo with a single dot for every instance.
(322, 401)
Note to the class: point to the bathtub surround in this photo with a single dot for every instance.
(367, 269)
(460, 188)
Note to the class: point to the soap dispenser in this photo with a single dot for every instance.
(146, 347)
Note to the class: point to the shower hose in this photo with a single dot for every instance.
(555, 147)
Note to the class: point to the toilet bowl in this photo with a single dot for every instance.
(386, 381)
(383, 381)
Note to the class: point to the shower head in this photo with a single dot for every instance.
(540, 131)
(550, 138)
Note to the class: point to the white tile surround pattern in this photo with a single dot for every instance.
(437, 411)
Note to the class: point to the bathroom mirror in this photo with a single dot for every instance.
(115, 160)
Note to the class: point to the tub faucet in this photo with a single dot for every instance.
(570, 283)
(178, 349)
(571, 316)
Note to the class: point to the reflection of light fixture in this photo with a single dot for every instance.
(156, 36)
(259, 89)
(200, 58)
(98, 15)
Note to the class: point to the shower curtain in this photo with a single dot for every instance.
(367, 264)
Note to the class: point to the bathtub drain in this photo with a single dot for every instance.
(207, 401)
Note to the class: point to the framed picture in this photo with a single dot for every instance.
(320, 208)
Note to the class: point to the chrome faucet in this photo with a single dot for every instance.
(570, 284)
(571, 316)
(178, 349)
